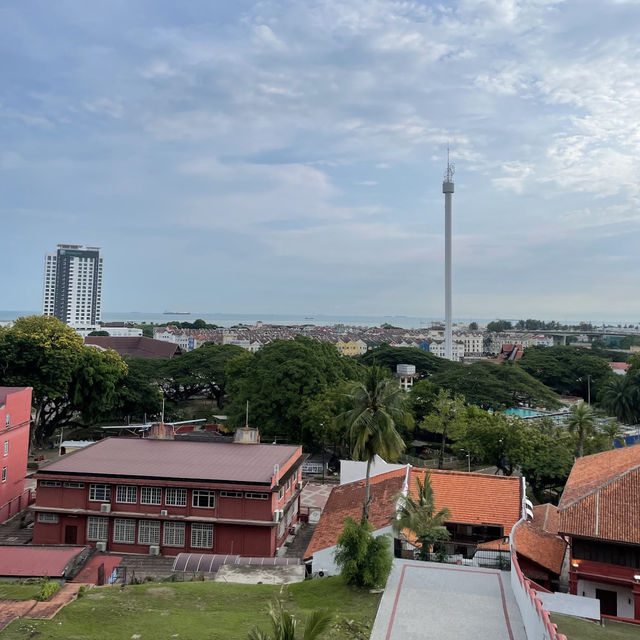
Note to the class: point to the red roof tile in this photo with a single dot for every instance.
(475, 498)
(179, 459)
(538, 541)
(602, 497)
(346, 501)
(135, 346)
(24, 561)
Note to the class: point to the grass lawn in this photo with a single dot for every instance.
(18, 591)
(577, 629)
(199, 610)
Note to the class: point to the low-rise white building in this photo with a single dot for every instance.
(457, 350)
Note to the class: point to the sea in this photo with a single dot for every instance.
(231, 319)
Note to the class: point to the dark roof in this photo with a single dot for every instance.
(135, 346)
(346, 501)
(176, 459)
(600, 499)
(23, 561)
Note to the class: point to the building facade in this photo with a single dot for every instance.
(135, 495)
(600, 514)
(73, 285)
(15, 420)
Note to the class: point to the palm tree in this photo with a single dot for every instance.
(581, 421)
(621, 397)
(378, 405)
(419, 516)
(283, 625)
(613, 433)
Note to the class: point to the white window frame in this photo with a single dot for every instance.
(201, 535)
(7, 422)
(175, 497)
(231, 494)
(48, 518)
(49, 483)
(124, 530)
(4, 474)
(126, 494)
(99, 493)
(73, 485)
(97, 529)
(173, 534)
(148, 531)
(252, 495)
(210, 496)
(151, 495)
(6, 447)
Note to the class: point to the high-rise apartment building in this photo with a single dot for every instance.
(73, 285)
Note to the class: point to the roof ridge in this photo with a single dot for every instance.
(597, 489)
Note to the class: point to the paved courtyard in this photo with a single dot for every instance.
(431, 600)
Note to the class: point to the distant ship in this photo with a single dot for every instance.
(177, 313)
(309, 318)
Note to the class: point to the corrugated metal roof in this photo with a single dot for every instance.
(28, 560)
(176, 459)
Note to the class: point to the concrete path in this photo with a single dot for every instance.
(425, 600)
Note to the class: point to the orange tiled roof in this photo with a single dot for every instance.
(346, 501)
(501, 544)
(538, 541)
(602, 497)
(475, 498)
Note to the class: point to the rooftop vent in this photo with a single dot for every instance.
(246, 435)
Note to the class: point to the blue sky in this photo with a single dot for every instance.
(287, 157)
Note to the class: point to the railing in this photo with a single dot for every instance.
(430, 463)
(470, 556)
(16, 505)
(536, 619)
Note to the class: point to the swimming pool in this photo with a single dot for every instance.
(525, 413)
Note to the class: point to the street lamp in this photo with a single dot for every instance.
(468, 452)
(588, 388)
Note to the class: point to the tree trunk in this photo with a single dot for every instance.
(441, 456)
(367, 492)
(580, 443)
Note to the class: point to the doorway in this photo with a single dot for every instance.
(70, 534)
(608, 602)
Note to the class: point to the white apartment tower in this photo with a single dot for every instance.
(73, 285)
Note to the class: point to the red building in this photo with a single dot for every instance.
(15, 418)
(600, 513)
(169, 496)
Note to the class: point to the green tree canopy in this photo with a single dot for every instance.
(447, 419)
(566, 370)
(387, 356)
(581, 421)
(499, 325)
(492, 386)
(278, 381)
(70, 381)
(620, 397)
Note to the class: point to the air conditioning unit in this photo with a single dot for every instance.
(277, 515)
(101, 546)
(105, 507)
(154, 550)
(164, 512)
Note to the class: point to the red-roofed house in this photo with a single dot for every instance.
(346, 501)
(135, 495)
(600, 512)
(483, 507)
(540, 549)
(620, 368)
(15, 418)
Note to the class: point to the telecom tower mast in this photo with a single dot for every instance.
(447, 189)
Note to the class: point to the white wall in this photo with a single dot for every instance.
(571, 605)
(625, 608)
(352, 470)
(324, 560)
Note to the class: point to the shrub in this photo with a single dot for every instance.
(364, 559)
(82, 591)
(48, 588)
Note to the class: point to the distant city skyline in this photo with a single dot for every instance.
(279, 158)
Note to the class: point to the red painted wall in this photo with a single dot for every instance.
(17, 406)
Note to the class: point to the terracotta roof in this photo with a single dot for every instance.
(25, 561)
(346, 501)
(176, 459)
(602, 497)
(475, 498)
(620, 366)
(501, 544)
(538, 541)
(135, 346)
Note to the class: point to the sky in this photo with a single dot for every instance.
(287, 156)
